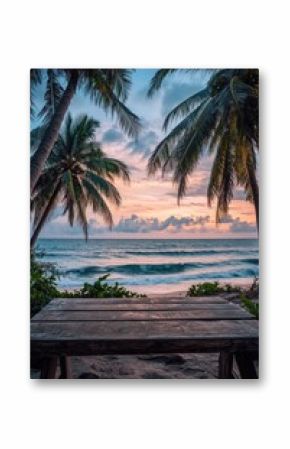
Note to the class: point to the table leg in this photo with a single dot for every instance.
(48, 368)
(225, 365)
(65, 368)
(245, 362)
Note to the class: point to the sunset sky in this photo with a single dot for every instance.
(149, 207)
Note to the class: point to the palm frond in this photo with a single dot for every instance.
(158, 79)
(164, 149)
(83, 130)
(105, 187)
(216, 172)
(192, 146)
(161, 74)
(44, 199)
(98, 203)
(225, 194)
(101, 93)
(36, 136)
(81, 204)
(185, 107)
(52, 96)
(120, 81)
(35, 80)
(109, 167)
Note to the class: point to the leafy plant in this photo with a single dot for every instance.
(43, 277)
(101, 289)
(211, 288)
(251, 306)
(248, 296)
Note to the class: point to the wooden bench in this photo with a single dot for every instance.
(83, 327)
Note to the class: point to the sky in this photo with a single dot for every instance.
(149, 206)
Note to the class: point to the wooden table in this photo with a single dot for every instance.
(83, 327)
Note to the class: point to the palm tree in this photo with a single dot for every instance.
(222, 121)
(52, 96)
(107, 88)
(77, 175)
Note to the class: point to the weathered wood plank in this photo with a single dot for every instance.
(117, 329)
(129, 337)
(148, 300)
(213, 313)
(79, 306)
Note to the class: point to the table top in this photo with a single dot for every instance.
(146, 325)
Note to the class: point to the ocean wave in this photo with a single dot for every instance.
(203, 252)
(227, 275)
(174, 262)
(153, 269)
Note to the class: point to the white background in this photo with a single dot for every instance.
(143, 414)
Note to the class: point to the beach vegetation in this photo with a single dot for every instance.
(101, 289)
(250, 297)
(43, 283)
(246, 297)
(212, 288)
(250, 306)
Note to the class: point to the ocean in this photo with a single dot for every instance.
(152, 265)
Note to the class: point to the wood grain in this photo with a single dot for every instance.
(128, 337)
(225, 313)
(82, 306)
(148, 300)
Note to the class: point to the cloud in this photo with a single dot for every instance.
(145, 143)
(136, 223)
(237, 225)
(227, 219)
(242, 226)
(112, 135)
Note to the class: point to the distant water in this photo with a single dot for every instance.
(153, 265)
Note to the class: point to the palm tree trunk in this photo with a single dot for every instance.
(255, 191)
(40, 156)
(44, 216)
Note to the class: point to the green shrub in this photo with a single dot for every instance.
(251, 306)
(249, 296)
(43, 286)
(211, 288)
(43, 277)
(101, 289)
